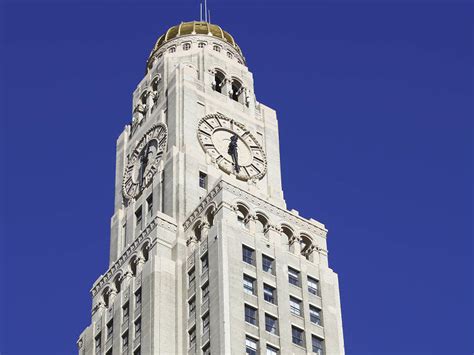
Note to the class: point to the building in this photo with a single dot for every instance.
(205, 258)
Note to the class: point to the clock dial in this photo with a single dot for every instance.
(244, 157)
(143, 161)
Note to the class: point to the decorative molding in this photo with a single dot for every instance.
(132, 248)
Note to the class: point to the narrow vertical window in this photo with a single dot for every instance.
(202, 180)
(138, 298)
(98, 343)
(269, 293)
(313, 286)
(250, 315)
(249, 285)
(293, 276)
(125, 341)
(251, 346)
(192, 306)
(295, 306)
(125, 312)
(191, 278)
(138, 327)
(267, 264)
(315, 315)
(205, 292)
(192, 338)
(110, 329)
(204, 263)
(248, 255)
(205, 323)
(149, 203)
(206, 349)
(138, 218)
(317, 345)
(297, 336)
(124, 235)
(271, 324)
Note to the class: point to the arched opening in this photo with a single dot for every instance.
(306, 243)
(242, 214)
(106, 297)
(186, 46)
(197, 232)
(118, 283)
(133, 266)
(210, 216)
(219, 80)
(146, 251)
(288, 233)
(261, 224)
(237, 91)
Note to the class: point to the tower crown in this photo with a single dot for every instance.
(193, 28)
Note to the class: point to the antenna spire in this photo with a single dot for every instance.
(200, 11)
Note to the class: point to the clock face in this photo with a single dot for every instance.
(232, 147)
(143, 161)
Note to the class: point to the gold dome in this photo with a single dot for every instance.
(194, 28)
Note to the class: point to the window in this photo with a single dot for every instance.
(230, 55)
(125, 312)
(149, 203)
(216, 48)
(250, 314)
(295, 306)
(206, 349)
(137, 351)
(138, 218)
(219, 81)
(267, 264)
(191, 277)
(249, 285)
(202, 180)
(250, 346)
(315, 315)
(186, 46)
(204, 263)
(201, 44)
(172, 49)
(192, 338)
(271, 350)
(125, 341)
(293, 276)
(235, 95)
(192, 306)
(110, 329)
(248, 255)
(205, 323)
(269, 293)
(138, 298)
(313, 286)
(98, 343)
(205, 292)
(271, 324)
(317, 345)
(297, 336)
(138, 327)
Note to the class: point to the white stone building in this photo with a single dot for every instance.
(204, 256)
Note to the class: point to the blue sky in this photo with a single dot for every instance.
(374, 101)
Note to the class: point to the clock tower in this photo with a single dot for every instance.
(204, 255)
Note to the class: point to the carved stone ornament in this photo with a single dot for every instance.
(143, 161)
(214, 134)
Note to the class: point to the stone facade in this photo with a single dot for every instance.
(197, 245)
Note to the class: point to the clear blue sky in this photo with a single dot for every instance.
(374, 101)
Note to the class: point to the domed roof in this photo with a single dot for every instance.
(194, 28)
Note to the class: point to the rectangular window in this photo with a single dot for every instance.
(192, 338)
(271, 350)
(138, 327)
(191, 277)
(138, 218)
(317, 345)
(202, 180)
(205, 292)
(125, 341)
(267, 264)
(250, 314)
(271, 324)
(249, 285)
(138, 298)
(293, 276)
(297, 336)
(98, 343)
(295, 306)
(149, 203)
(204, 263)
(313, 286)
(250, 346)
(125, 312)
(205, 323)
(269, 293)
(192, 306)
(248, 255)
(315, 315)
(110, 329)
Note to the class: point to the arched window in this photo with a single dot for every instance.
(260, 224)
(237, 91)
(306, 242)
(288, 233)
(197, 232)
(133, 266)
(219, 80)
(172, 50)
(216, 48)
(186, 46)
(117, 283)
(210, 216)
(106, 297)
(230, 55)
(201, 44)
